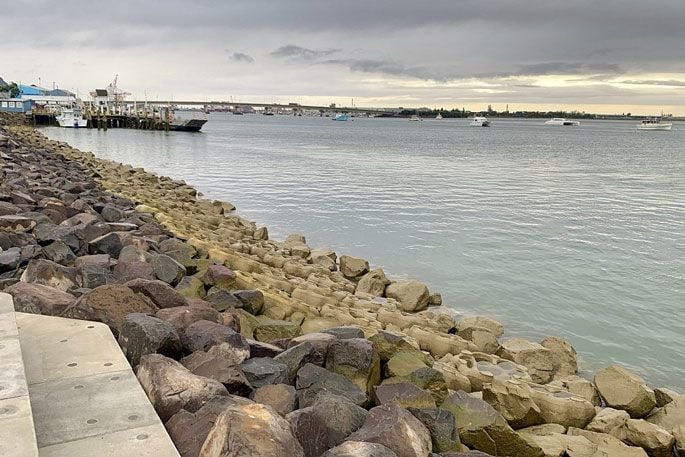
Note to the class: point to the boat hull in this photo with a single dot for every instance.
(71, 122)
(193, 125)
(655, 127)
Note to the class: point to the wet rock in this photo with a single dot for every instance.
(39, 299)
(356, 359)
(219, 369)
(624, 390)
(537, 359)
(202, 335)
(171, 387)
(353, 267)
(183, 316)
(281, 397)
(372, 283)
(159, 292)
(397, 429)
(359, 449)
(412, 296)
(402, 394)
(142, 334)
(252, 300)
(309, 430)
(167, 269)
(262, 371)
(311, 380)
(441, 425)
(251, 430)
(49, 273)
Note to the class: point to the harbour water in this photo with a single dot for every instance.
(576, 232)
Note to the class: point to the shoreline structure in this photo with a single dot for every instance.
(317, 338)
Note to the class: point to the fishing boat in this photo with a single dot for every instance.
(187, 120)
(654, 123)
(479, 121)
(340, 117)
(439, 116)
(415, 117)
(71, 117)
(562, 121)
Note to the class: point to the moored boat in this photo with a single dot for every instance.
(340, 117)
(439, 116)
(187, 120)
(654, 123)
(71, 117)
(480, 121)
(562, 121)
(415, 117)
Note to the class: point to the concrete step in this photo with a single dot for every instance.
(17, 431)
(80, 396)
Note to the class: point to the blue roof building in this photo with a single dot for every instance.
(15, 105)
(30, 90)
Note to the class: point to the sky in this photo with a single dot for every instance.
(602, 56)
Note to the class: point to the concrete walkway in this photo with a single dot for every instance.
(84, 398)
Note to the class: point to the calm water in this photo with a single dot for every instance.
(575, 232)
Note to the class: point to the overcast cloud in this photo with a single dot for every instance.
(609, 55)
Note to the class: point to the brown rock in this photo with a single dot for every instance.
(372, 283)
(412, 296)
(353, 267)
(183, 316)
(161, 294)
(220, 369)
(281, 397)
(359, 449)
(624, 390)
(39, 299)
(538, 359)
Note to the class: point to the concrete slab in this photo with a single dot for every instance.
(12, 378)
(58, 348)
(8, 327)
(16, 428)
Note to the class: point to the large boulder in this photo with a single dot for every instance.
(109, 304)
(411, 296)
(39, 299)
(404, 364)
(372, 283)
(220, 369)
(309, 430)
(403, 394)
(431, 380)
(51, 274)
(607, 445)
(608, 420)
(565, 356)
(171, 387)
(339, 415)
(143, 334)
(481, 427)
(679, 434)
(251, 430)
(357, 360)
(539, 360)
(624, 390)
(442, 427)
(670, 416)
(203, 335)
(359, 449)
(181, 317)
(167, 269)
(578, 386)
(296, 357)
(161, 294)
(652, 438)
(251, 301)
(269, 330)
(397, 429)
(514, 401)
(219, 276)
(262, 371)
(353, 267)
(281, 397)
(311, 380)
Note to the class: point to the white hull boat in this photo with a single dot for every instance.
(415, 118)
(438, 117)
(71, 118)
(654, 124)
(562, 121)
(480, 121)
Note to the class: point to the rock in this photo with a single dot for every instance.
(397, 429)
(220, 277)
(607, 445)
(259, 349)
(558, 444)
(624, 390)
(679, 434)
(482, 338)
(492, 325)
(220, 369)
(133, 253)
(671, 415)
(106, 244)
(281, 397)
(222, 299)
(388, 343)
(269, 330)
(353, 267)
(432, 381)
(664, 396)
(191, 287)
(296, 357)
(608, 420)
(59, 252)
(49, 273)
(481, 427)
(170, 387)
(339, 415)
(561, 407)
(514, 402)
(39, 299)
(345, 332)
(309, 430)
(565, 357)
(320, 342)
(311, 380)
(251, 430)
(262, 371)
(109, 304)
(441, 425)
(403, 394)
(159, 292)
(183, 316)
(357, 360)
(372, 283)
(10, 259)
(537, 359)
(412, 296)
(359, 449)
(403, 364)
(652, 438)
(167, 269)
(578, 386)
(252, 300)
(203, 335)
(453, 378)
(16, 224)
(127, 271)
(142, 334)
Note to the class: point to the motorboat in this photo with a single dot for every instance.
(654, 123)
(480, 121)
(340, 117)
(415, 117)
(438, 117)
(562, 121)
(71, 117)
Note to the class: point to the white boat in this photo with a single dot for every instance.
(415, 117)
(187, 120)
(479, 121)
(71, 118)
(654, 123)
(562, 121)
(439, 116)
(340, 117)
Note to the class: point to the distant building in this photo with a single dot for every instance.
(45, 99)
(100, 98)
(16, 105)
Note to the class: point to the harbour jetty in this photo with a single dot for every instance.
(252, 347)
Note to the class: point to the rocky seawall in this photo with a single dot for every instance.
(248, 346)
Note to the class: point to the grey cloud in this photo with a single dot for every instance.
(651, 82)
(291, 50)
(241, 57)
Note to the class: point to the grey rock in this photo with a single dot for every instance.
(311, 380)
(143, 334)
(262, 371)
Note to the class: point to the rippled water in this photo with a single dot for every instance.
(575, 232)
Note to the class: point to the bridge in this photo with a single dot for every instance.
(292, 106)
